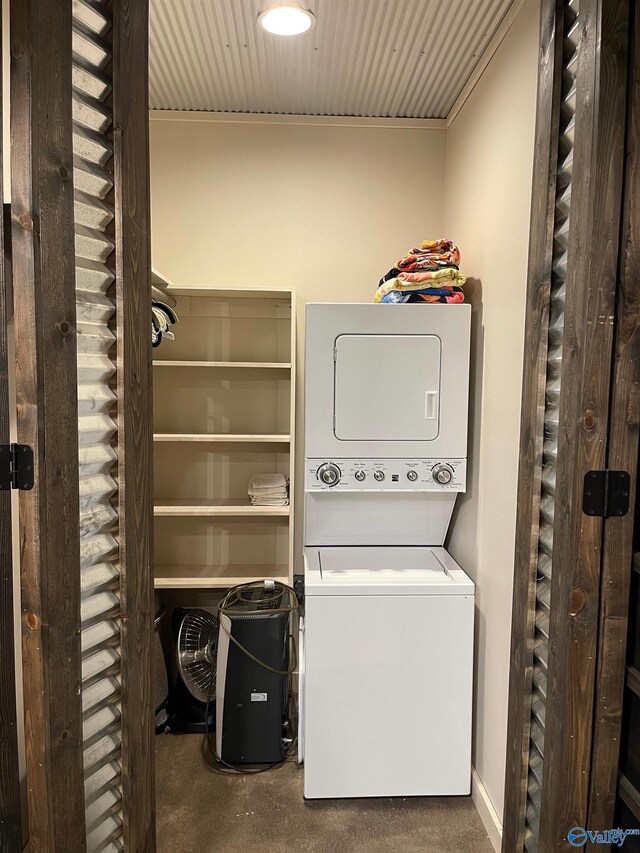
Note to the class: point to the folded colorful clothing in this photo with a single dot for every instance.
(442, 245)
(421, 277)
(432, 254)
(451, 299)
(412, 263)
(409, 277)
(451, 295)
(396, 297)
(394, 272)
(447, 277)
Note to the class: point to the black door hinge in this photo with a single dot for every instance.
(16, 467)
(606, 493)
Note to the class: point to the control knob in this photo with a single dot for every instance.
(442, 473)
(359, 475)
(329, 474)
(412, 475)
(378, 475)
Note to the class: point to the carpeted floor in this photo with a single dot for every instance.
(200, 811)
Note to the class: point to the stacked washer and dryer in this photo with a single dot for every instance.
(386, 666)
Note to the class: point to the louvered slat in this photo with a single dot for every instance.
(99, 571)
(550, 451)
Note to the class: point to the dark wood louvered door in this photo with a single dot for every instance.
(580, 414)
(82, 282)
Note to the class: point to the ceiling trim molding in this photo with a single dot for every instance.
(505, 25)
(319, 121)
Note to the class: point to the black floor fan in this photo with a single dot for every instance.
(196, 651)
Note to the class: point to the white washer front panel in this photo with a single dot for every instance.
(388, 692)
(403, 404)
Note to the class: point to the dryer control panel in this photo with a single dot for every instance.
(385, 475)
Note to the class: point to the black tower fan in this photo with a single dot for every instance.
(253, 680)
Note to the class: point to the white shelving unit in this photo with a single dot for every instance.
(224, 408)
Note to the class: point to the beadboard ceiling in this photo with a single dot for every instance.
(377, 58)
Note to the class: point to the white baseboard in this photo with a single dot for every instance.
(488, 815)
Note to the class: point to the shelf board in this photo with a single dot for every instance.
(250, 365)
(222, 292)
(159, 285)
(215, 577)
(217, 508)
(222, 438)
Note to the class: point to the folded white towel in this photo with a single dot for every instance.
(267, 482)
(269, 490)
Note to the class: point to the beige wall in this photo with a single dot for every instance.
(325, 209)
(487, 208)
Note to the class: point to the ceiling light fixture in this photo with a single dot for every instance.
(286, 19)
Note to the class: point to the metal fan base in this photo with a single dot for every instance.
(186, 714)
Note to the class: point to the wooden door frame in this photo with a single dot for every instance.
(135, 433)
(43, 263)
(46, 352)
(10, 795)
(591, 292)
(624, 438)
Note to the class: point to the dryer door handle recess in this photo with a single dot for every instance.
(430, 405)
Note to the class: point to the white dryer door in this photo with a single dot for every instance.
(387, 387)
